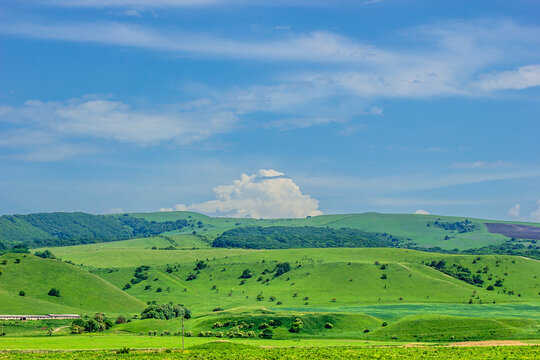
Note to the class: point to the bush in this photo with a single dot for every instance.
(328, 326)
(124, 350)
(263, 326)
(275, 322)
(282, 268)
(267, 333)
(22, 293)
(120, 320)
(246, 274)
(165, 312)
(191, 276)
(54, 292)
(96, 324)
(296, 326)
(45, 254)
(200, 265)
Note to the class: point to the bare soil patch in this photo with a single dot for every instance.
(490, 343)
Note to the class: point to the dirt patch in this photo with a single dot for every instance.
(514, 230)
(490, 343)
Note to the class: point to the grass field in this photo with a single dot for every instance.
(80, 291)
(237, 350)
(349, 276)
(370, 296)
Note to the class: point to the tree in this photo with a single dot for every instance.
(120, 320)
(383, 276)
(22, 293)
(54, 292)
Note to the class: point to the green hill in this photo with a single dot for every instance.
(80, 291)
(353, 277)
(438, 233)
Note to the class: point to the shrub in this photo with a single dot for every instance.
(282, 268)
(217, 309)
(267, 334)
(165, 312)
(120, 320)
(191, 276)
(263, 326)
(200, 265)
(124, 350)
(22, 293)
(54, 292)
(296, 326)
(384, 324)
(275, 322)
(45, 254)
(383, 276)
(328, 326)
(490, 288)
(246, 274)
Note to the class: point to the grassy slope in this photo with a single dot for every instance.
(406, 226)
(80, 291)
(349, 275)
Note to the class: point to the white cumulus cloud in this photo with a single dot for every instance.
(421, 212)
(515, 210)
(267, 194)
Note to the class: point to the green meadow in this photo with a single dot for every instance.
(341, 296)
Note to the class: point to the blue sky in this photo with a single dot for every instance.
(325, 107)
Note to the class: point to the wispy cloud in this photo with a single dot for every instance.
(130, 3)
(38, 128)
(481, 165)
(522, 78)
(450, 59)
(410, 183)
(313, 47)
(535, 214)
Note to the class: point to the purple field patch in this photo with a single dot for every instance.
(515, 230)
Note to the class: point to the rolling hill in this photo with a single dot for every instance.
(432, 232)
(80, 291)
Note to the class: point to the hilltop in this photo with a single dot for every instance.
(439, 233)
